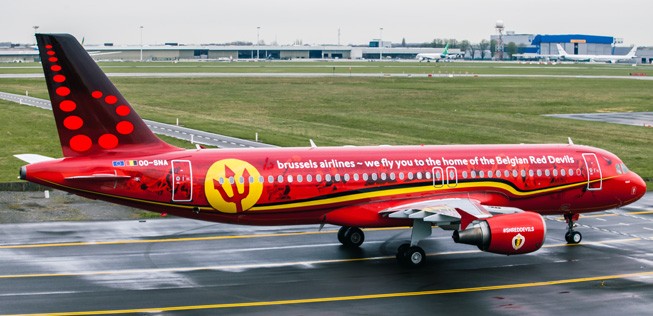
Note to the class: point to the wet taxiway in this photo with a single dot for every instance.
(189, 267)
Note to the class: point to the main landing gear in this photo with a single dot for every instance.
(408, 254)
(351, 237)
(572, 236)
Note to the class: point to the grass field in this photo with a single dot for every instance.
(364, 111)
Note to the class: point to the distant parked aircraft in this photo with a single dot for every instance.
(435, 56)
(597, 58)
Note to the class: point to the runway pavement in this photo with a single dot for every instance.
(185, 267)
(326, 74)
(644, 119)
(179, 132)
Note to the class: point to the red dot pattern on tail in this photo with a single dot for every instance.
(108, 141)
(73, 122)
(67, 105)
(81, 142)
(96, 94)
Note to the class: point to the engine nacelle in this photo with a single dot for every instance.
(508, 234)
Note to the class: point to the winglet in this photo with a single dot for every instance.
(312, 143)
(570, 141)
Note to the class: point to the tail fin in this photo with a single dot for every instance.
(561, 51)
(632, 52)
(92, 117)
(446, 51)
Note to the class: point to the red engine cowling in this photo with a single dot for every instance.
(508, 234)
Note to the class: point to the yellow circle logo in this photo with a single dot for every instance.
(232, 186)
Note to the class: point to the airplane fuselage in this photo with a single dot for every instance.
(314, 185)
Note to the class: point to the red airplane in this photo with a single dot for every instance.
(491, 196)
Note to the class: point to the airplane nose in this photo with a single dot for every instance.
(637, 187)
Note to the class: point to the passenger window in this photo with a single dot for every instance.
(356, 177)
(221, 180)
(318, 177)
(289, 178)
(270, 179)
(419, 176)
(481, 174)
(547, 172)
(427, 175)
(337, 177)
(563, 172)
(489, 174)
(438, 176)
(383, 176)
(327, 178)
(539, 172)
(473, 174)
(506, 173)
(280, 179)
(374, 177)
(410, 176)
(465, 174)
(261, 179)
(392, 176)
(401, 176)
(299, 178)
(309, 178)
(241, 180)
(555, 172)
(514, 173)
(571, 172)
(231, 180)
(365, 177)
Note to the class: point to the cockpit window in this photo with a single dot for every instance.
(619, 169)
(625, 169)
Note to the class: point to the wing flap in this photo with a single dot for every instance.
(446, 211)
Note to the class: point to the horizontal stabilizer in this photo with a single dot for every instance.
(33, 158)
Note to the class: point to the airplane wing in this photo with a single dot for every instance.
(447, 213)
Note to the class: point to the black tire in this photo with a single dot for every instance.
(414, 257)
(401, 252)
(354, 237)
(341, 234)
(573, 237)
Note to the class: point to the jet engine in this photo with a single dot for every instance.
(508, 234)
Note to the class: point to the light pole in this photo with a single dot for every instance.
(35, 27)
(380, 43)
(258, 40)
(141, 27)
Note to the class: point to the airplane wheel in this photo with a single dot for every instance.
(414, 257)
(401, 251)
(573, 237)
(341, 234)
(353, 237)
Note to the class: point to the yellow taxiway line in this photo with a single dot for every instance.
(601, 278)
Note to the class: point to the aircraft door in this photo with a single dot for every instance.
(182, 181)
(447, 176)
(452, 177)
(438, 177)
(593, 170)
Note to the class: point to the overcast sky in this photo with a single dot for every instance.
(317, 22)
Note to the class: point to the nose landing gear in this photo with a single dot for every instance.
(571, 236)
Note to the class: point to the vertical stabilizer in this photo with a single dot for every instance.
(91, 115)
